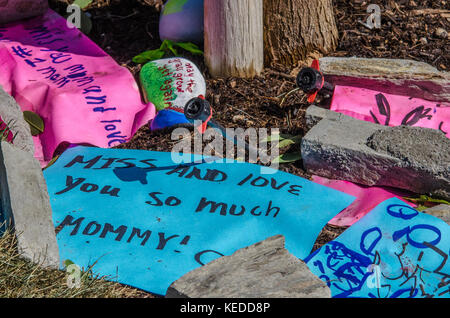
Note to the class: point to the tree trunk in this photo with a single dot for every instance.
(234, 37)
(295, 28)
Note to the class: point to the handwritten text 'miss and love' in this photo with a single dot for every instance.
(136, 170)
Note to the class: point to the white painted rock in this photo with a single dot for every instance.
(171, 82)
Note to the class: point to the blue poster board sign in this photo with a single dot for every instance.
(392, 252)
(145, 220)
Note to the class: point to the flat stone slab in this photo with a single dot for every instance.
(11, 112)
(441, 211)
(263, 270)
(411, 158)
(25, 205)
(393, 76)
(314, 114)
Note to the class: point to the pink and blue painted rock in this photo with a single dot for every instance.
(182, 21)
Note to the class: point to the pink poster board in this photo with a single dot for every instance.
(390, 110)
(367, 198)
(81, 93)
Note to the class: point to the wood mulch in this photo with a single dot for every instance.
(126, 28)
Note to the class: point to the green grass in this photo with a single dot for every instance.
(20, 278)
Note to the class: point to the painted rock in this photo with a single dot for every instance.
(182, 21)
(169, 84)
(14, 10)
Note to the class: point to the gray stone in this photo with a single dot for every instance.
(314, 114)
(441, 211)
(410, 158)
(14, 10)
(265, 269)
(26, 207)
(11, 112)
(394, 76)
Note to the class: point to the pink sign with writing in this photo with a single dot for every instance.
(391, 110)
(80, 92)
(367, 198)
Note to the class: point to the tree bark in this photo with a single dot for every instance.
(234, 37)
(294, 28)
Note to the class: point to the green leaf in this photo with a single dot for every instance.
(190, 47)
(36, 123)
(51, 162)
(173, 50)
(168, 46)
(288, 157)
(165, 45)
(422, 208)
(289, 141)
(423, 199)
(68, 262)
(173, 6)
(148, 56)
(278, 136)
(82, 3)
(284, 140)
(272, 137)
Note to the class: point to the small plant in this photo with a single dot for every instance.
(167, 48)
(82, 276)
(285, 140)
(424, 202)
(82, 3)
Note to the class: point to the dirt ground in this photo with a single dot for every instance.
(128, 27)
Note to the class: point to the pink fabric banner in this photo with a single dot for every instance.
(367, 198)
(80, 92)
(390, 110)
